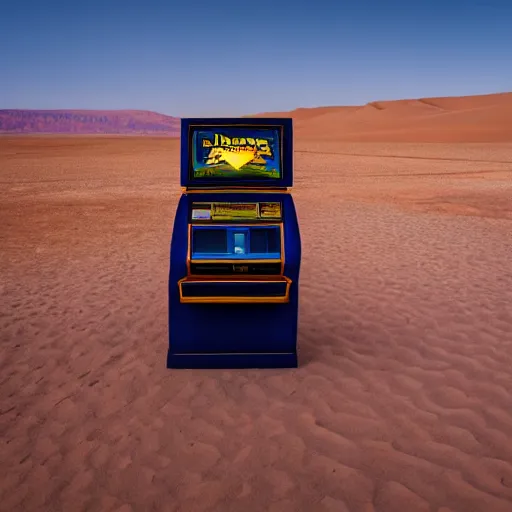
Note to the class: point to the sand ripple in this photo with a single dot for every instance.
(401, 403)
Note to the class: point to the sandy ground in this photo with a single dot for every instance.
(401, 403)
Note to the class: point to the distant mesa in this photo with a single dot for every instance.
(83, 122)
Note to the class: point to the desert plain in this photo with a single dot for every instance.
(402, 401)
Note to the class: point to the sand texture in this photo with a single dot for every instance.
(402, 402)
(485, 118)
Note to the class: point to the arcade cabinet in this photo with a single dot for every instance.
(235, 247)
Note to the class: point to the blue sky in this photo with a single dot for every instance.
(192, 58)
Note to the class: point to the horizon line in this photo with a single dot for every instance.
(243, 115)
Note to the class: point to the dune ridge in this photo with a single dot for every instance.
(484, 118)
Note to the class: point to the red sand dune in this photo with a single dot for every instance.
(485, 118)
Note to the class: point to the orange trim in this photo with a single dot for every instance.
(235, 300)
(235, 190)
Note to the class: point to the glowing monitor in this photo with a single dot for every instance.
(237, 152)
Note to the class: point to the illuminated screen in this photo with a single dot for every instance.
(236, 153)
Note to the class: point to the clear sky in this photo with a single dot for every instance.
(234, 57)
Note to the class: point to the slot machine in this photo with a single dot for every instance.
(235, 247)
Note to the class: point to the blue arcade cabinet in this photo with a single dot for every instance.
(235, 247)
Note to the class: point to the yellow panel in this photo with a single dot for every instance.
(270, 210)
(234, 211)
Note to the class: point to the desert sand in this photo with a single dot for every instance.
(484, 118)
(402, 401)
